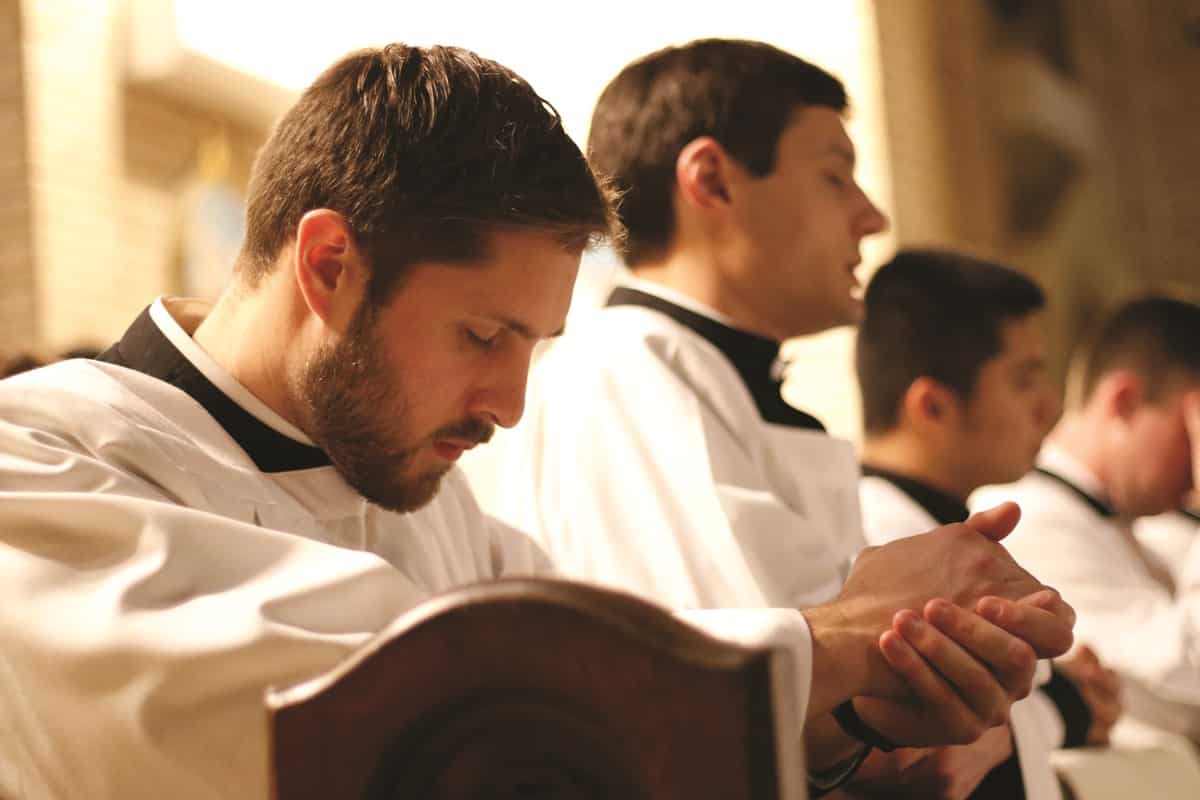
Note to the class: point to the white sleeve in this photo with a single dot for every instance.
(1169, 538)
(630, 480)
(139, 636)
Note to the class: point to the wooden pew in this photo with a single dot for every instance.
(537, 690)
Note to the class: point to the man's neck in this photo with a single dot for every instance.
(1078, 437)
(698, 276)
(892, 453)
(254, 338)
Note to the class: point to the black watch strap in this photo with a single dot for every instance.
(850, 722)
(822, 783)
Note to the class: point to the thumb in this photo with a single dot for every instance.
(997, 522)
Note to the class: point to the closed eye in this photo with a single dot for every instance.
(837, 180)
(484, 340)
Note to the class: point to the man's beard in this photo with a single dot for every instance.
(346, 394)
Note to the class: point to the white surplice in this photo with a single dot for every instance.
(169, 548)
(1168, 538)
(644, 462)
(1141, 620)
(889, 513)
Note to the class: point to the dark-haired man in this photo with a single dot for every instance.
(1127, 447)
(234, 496)
(952, 373)
(658, 455)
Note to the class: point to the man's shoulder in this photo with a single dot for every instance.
(111, 415)
(80, 393)
(630, 347)
(68, 394)
(1030, 487)
(607, 334)
(880, 493)
(1047, 507)
(888, 513)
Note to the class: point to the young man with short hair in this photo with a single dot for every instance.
(951, 369)
(1127, 447)
(234, 496)
(658, 455)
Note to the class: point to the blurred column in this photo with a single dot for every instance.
(1055, 135)
(943, 164)
(1140, 65)
(74, 123)
(18, 319)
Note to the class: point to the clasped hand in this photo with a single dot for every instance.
(960, 660)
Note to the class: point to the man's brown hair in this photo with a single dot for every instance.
(741, 93)
(424, 151)
(1157, 337)
(933, 313)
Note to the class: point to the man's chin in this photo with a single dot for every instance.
(845, 310)
(403, 497)
(851, 315)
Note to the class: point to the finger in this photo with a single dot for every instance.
(953, 721)
(1047, 633)
(1107, 713)
(997, 522)
(1109, 681)
(1107, 720)
(983, 691)
(1101, 681)
(1009, 658)
(1048, 599)
(1098, 736)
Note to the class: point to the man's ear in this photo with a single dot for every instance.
(929, 405)
(328, 266)
(1121, 392)
(702, 174)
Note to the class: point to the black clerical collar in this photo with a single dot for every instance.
(1096, 504)
(146, 349)
(752, 356)
(942, 506)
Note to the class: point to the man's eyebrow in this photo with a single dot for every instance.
(523, 330)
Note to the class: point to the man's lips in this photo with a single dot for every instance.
(451, 449)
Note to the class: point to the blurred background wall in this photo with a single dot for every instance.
(18, 317)
(1059, 135)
